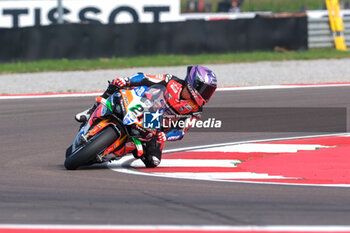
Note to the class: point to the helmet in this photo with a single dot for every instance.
(201, 83)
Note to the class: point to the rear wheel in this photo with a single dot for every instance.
(86, 154)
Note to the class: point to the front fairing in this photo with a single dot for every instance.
(78, 139)
(139, 101)
(112, 106)
(129, 106)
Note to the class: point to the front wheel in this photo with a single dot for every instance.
(69, 151)
(86, 154)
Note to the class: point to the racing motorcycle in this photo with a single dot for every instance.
(116, 127)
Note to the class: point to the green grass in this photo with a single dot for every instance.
(282, 5)
(166, 60)
(272, 5)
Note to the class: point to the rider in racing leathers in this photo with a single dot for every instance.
(184, 97)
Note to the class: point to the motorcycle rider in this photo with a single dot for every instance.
(184, 97)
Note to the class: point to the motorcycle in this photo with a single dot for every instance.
(116, 127)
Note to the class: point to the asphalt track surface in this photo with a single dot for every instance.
(36, 189)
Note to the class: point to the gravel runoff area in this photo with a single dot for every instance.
(235, 74)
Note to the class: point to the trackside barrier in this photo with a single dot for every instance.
(320, 34)
(87, 41)
(336, 23)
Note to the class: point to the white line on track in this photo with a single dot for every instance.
(264, 148)
(219, 175)
(270, 87)
(50, 95)
(195, 163)
(252, 228)
(243, 88)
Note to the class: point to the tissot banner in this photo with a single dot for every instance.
(24, 13)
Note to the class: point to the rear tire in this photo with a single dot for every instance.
(86, 154)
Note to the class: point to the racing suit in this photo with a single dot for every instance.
(178, 107)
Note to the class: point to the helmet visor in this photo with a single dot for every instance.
(206, 91)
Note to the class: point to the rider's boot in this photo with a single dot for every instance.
(85, 115)
(153, 153)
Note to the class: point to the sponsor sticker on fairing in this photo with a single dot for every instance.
(139, 91)
(128, 120)
(174, 88)
(125, 98)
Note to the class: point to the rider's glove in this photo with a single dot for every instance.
(121, 82)
(161, 137)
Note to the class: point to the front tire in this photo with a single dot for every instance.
(69, 151)
(86, 154)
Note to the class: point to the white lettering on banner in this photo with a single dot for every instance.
(193, 123)
(25, 13)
